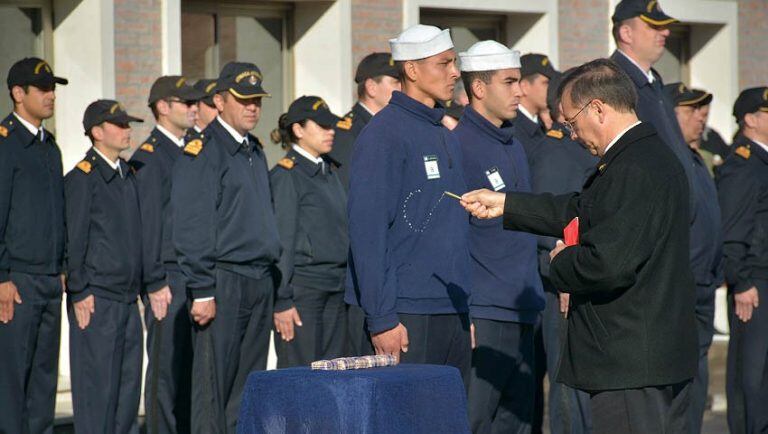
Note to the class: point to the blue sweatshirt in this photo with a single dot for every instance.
(408, 240)
(505, 278)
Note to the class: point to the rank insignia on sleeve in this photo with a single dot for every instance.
(85, 166)
(344, 124)
(3, 131)
(557, 134)
(286, 163)
(194, 147)
(743, 152)
(147, 147)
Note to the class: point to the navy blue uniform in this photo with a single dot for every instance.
(226, 238)
(743, 189)
(31, 256)
(104, 260)
(558, 166)
(310, 206)
(169, 342)
(408, 240)
(529, 133)
(507, 295)
(347, 131)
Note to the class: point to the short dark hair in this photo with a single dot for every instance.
(600, 79)
(153, 107)
(400, 65)
(468, 77)
(361, 85)
(10, 92)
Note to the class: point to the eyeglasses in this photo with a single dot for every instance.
(569, 123)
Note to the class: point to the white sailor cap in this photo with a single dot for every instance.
(489, 56)
(420, 41)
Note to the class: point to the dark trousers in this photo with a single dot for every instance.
(648, 410)
(569, 408)
(439, 340)
(167, 387)
(29, 364)
(105, 359)
(358, 339)
(747, 369)
(323, 331)
(501, 384)
(229, 348)
(705, 318)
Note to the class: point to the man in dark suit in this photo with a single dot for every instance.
(631, 339)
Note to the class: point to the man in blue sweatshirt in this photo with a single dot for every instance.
(409, 267)
(507, 295)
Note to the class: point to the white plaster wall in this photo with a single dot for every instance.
(322, 52)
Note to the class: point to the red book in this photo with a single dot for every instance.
(571, 233)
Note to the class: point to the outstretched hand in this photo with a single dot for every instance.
(484, 204)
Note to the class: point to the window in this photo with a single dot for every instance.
(25, 31)
(466, 27)
(213, 34)
(673, 65)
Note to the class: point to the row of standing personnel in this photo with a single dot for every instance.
(179, 265)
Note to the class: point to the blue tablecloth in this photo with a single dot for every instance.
(400, 399)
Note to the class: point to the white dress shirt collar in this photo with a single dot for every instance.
(115, 165)
(178, 141)
(32, 129)
(233, 132)
(303, 152)
(366, 108)
(534, 118)
(620, 135)
(762, 145)
(647, 73)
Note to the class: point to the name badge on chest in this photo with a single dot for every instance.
(494, 177)
(430, 166)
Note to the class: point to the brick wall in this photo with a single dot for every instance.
(138, 58)
(753, 43)
(374, 22)
(583, 29)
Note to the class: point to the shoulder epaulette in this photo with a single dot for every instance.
(743, 152)
(557, 134)
(148, 148)
(3, 131)
(286, 163)
(193, 147)
(85, 166)
(344, 124)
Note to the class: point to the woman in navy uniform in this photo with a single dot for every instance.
(310, 206)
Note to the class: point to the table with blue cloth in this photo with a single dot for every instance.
(400, 399)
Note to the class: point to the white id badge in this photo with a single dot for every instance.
(494, 177)
(430, 166)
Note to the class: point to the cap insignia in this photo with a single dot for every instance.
(253, 76)
(319, 103)
(544, 61)
(85, 166)
(42, 65)
(115, 108)
(194, 147)
(286, 163)
(681, 88)
(765, 95)
(650, 6)
(391, 62)
(180, 82)
(210, 87)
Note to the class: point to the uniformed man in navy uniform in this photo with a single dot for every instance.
(691, 121)
(169, 331)
(743, 190)
(536, 71)
(206, 109)
(506, 289)
(410, 264)
(311, 207)
(227, 243)
(559, 166)
(376, 79)
(104, 271)
(31, 251)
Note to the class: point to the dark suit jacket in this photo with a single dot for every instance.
(632, 320)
